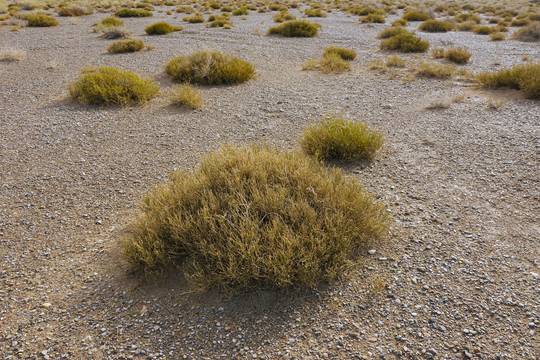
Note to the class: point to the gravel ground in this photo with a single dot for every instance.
(459, 277)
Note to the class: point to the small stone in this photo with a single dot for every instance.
(46, 305)
(371, 252)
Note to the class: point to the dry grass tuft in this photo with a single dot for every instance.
(528, 33)
(458, 55)
(186, 95)
(344, 53)
(194, 19)
(405, 42)
(40, 20)
(295, 28)
(161, 28)
(133, 13)
(210, 68)
(75, 10)
(337, 138)
(415, 16)
(12, 55)
(497, 36)
(110, 86)
(436, 26)
(435, 70)
(251, 218)
(524, 77)
(115, 32)
(125, 46)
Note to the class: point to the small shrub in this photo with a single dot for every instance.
(436, 26)
(483, 30)
(110, 21)
(161, 28)
(458, 55)
(336, 138)
(109, 86)
(399, 22)
(240, 12)
(362, 11)
(528, 33)
(520, 22)
(133, 13)
(466, 26)
(186, 95)
(250, 218)
(438, 53)
(524, 77)
(224, 23)
(125, 46)
(373, 18)
(283, 16)
(345, 54)
(497, 36)
(395, 61)
(435, 70)
(314, 13)
(405, 42)
(11, 55)
(467, 17)
(333, 63)
(295, 28)
(415, 16)
(194, 19)
(75, 10)
(209, 68)
(40, 20)
(392, 31)
(116, 32)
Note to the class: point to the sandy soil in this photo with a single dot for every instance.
(459, 280)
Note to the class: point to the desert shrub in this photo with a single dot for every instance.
(467, 17)
(528, 33)
(295, 28)
(363, 11)
(111, 86)
(208, 68)
(161, 28)
(520, 22)
(222, 22)
(226, 9)
(124, 46)
(524, 77)
(75, 10)
(336, 138)
(110, 21)
(40, 20)
(186, 95)
(405, 42)
(11, 55)
(194, 19)
(392, 31)
(116, 32)
(373, 18)
(395, 61)
(458, 55)
(241, 11)
(345, 54)
(333, 63)
(435, 70)
(133, 13)
(438, 53)
(483, 30)
(466, 26)
(436, 26)
(251, 217)
(284, 16)
(399, 22)
(314, 13)
(497, 36)
(414, 15)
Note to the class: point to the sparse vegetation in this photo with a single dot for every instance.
(161, 28)
(125, 46)
(528, 33)
(414, 15)
(251, 218)
(111, 86)
(75, 10)
(284, 16)
(435, 70)
(344, 53)
(295, 28)
(107, 24)
(392, 31)
(333, 63)
(405, 42)
(497, 36)
(10, 55)
(373, 18)
(186, 95)
(483, 30)
(458, 55)
(40, 20)
(436, 26)
(194, 19)
(209, 68)
(337, 138)
(524, 77)
(133, 13)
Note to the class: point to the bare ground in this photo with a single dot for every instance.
(458, 279)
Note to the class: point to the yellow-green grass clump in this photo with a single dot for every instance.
(295, 28)
(240, 11)
(344, 53)
(497, 36)
(337, 138)
(283, 16)
(405, 42)
(528, 33)
(161, 28)
(210, 68)
(414, 15)
(125, 46)
(436, 26)
(315, 13)
(436, 70)
(134, 13)
(74, 10)
(458, 55)
(373, 18)
(194, 19)
(107, 23)
(186, 95)
(484, 30)
(111, 86)
(392, 31)
(524, 77)
(40, 20)
(251, 217)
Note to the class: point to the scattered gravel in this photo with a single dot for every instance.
(458, 277)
